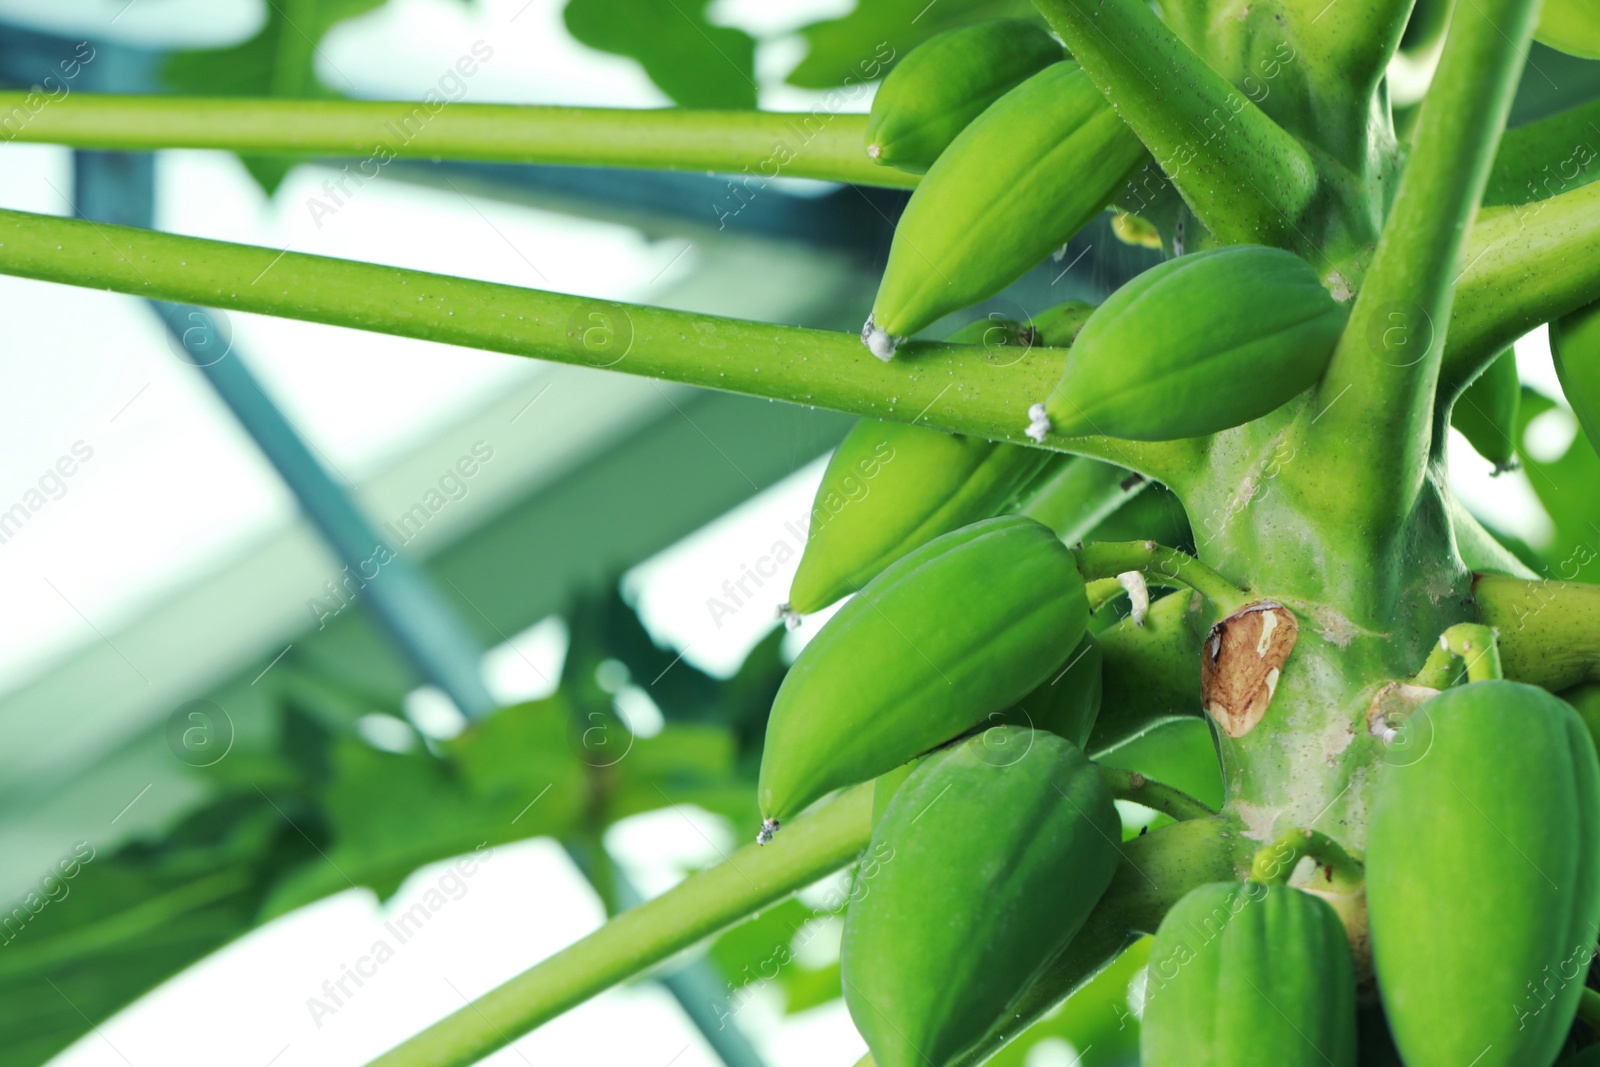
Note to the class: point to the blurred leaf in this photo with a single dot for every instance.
(307, 808)
(102, 929)
(865, 44)
(692, 61)
(759, 949)
(280, 60)
(805, 988)
(1566, 488)
(509, 777)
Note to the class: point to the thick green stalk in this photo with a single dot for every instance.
(762, 144)
(1377, 397)
(1243, 175)
(750, 879)
(1524, 266)
(957, 388)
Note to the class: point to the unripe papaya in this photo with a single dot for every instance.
(1198, 344)
(1483, 878)
(1486, 413)
(1058, 327)
(1575, 344)
(946, 82)
(1000, 848)
(890, 488)
(1243, 974)
(1067, 702)
(1570, 26)
(964, 626)
(1025, 176)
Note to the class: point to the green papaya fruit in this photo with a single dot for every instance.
(1575, 344)
(1058, 327)
(1198, 344)
(1025, 176)
(1079, 494)
(946, 82)
(1244, 974)
(892, 487)
(1486, 413)
(1570, 26)
(1067, 702)
(999, 849)
(1149, 672)
(966, 625)
(1483, 878)
(885, 785)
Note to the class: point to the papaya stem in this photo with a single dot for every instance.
(955, 388)
(819, 144)
(1375, 405)
(1135, 787)
(750, 879)
(1275, 864)
(1162, 566)
(1244, 176)
(1549, 631)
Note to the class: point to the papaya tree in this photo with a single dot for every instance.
(1405, 862)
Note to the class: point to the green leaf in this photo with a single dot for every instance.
(1565, 486)
(280, 60)
(103, 928)
(692, 61)
(863, 45)
(509, 777)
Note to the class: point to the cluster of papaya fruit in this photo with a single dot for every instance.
(964, 676)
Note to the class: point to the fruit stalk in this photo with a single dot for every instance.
(1471, 645)
(1162, 565)
(1135, 787)
(1275, 864)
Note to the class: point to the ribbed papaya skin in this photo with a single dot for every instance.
(890, 488)
(1026, 175)
(1483, 878)
(962, 627)
(946, 82)
(1248, 975)
(1198, 344)
(995, 853)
